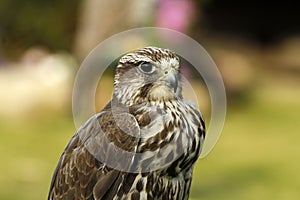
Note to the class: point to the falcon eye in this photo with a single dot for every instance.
(147, 68)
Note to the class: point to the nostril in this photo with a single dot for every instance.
(166, 72)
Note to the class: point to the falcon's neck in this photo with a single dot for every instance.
(166, 112)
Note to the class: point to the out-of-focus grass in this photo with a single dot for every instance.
(257, 156)
(29, 152)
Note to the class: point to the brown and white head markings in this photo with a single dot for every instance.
(148, 74)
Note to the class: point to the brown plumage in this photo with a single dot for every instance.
(142, 145)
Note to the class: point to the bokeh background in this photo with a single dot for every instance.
(255, 46)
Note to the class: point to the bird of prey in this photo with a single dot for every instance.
(143, 144)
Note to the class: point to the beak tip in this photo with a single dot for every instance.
(172, 80)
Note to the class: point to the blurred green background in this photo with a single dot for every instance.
(257, 50)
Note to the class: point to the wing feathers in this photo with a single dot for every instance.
(79, 175)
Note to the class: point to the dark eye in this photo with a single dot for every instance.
(147, 68)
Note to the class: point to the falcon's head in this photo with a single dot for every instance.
(148, 74)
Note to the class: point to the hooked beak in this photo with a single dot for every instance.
(172, 80)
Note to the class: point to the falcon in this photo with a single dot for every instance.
(143, 145)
